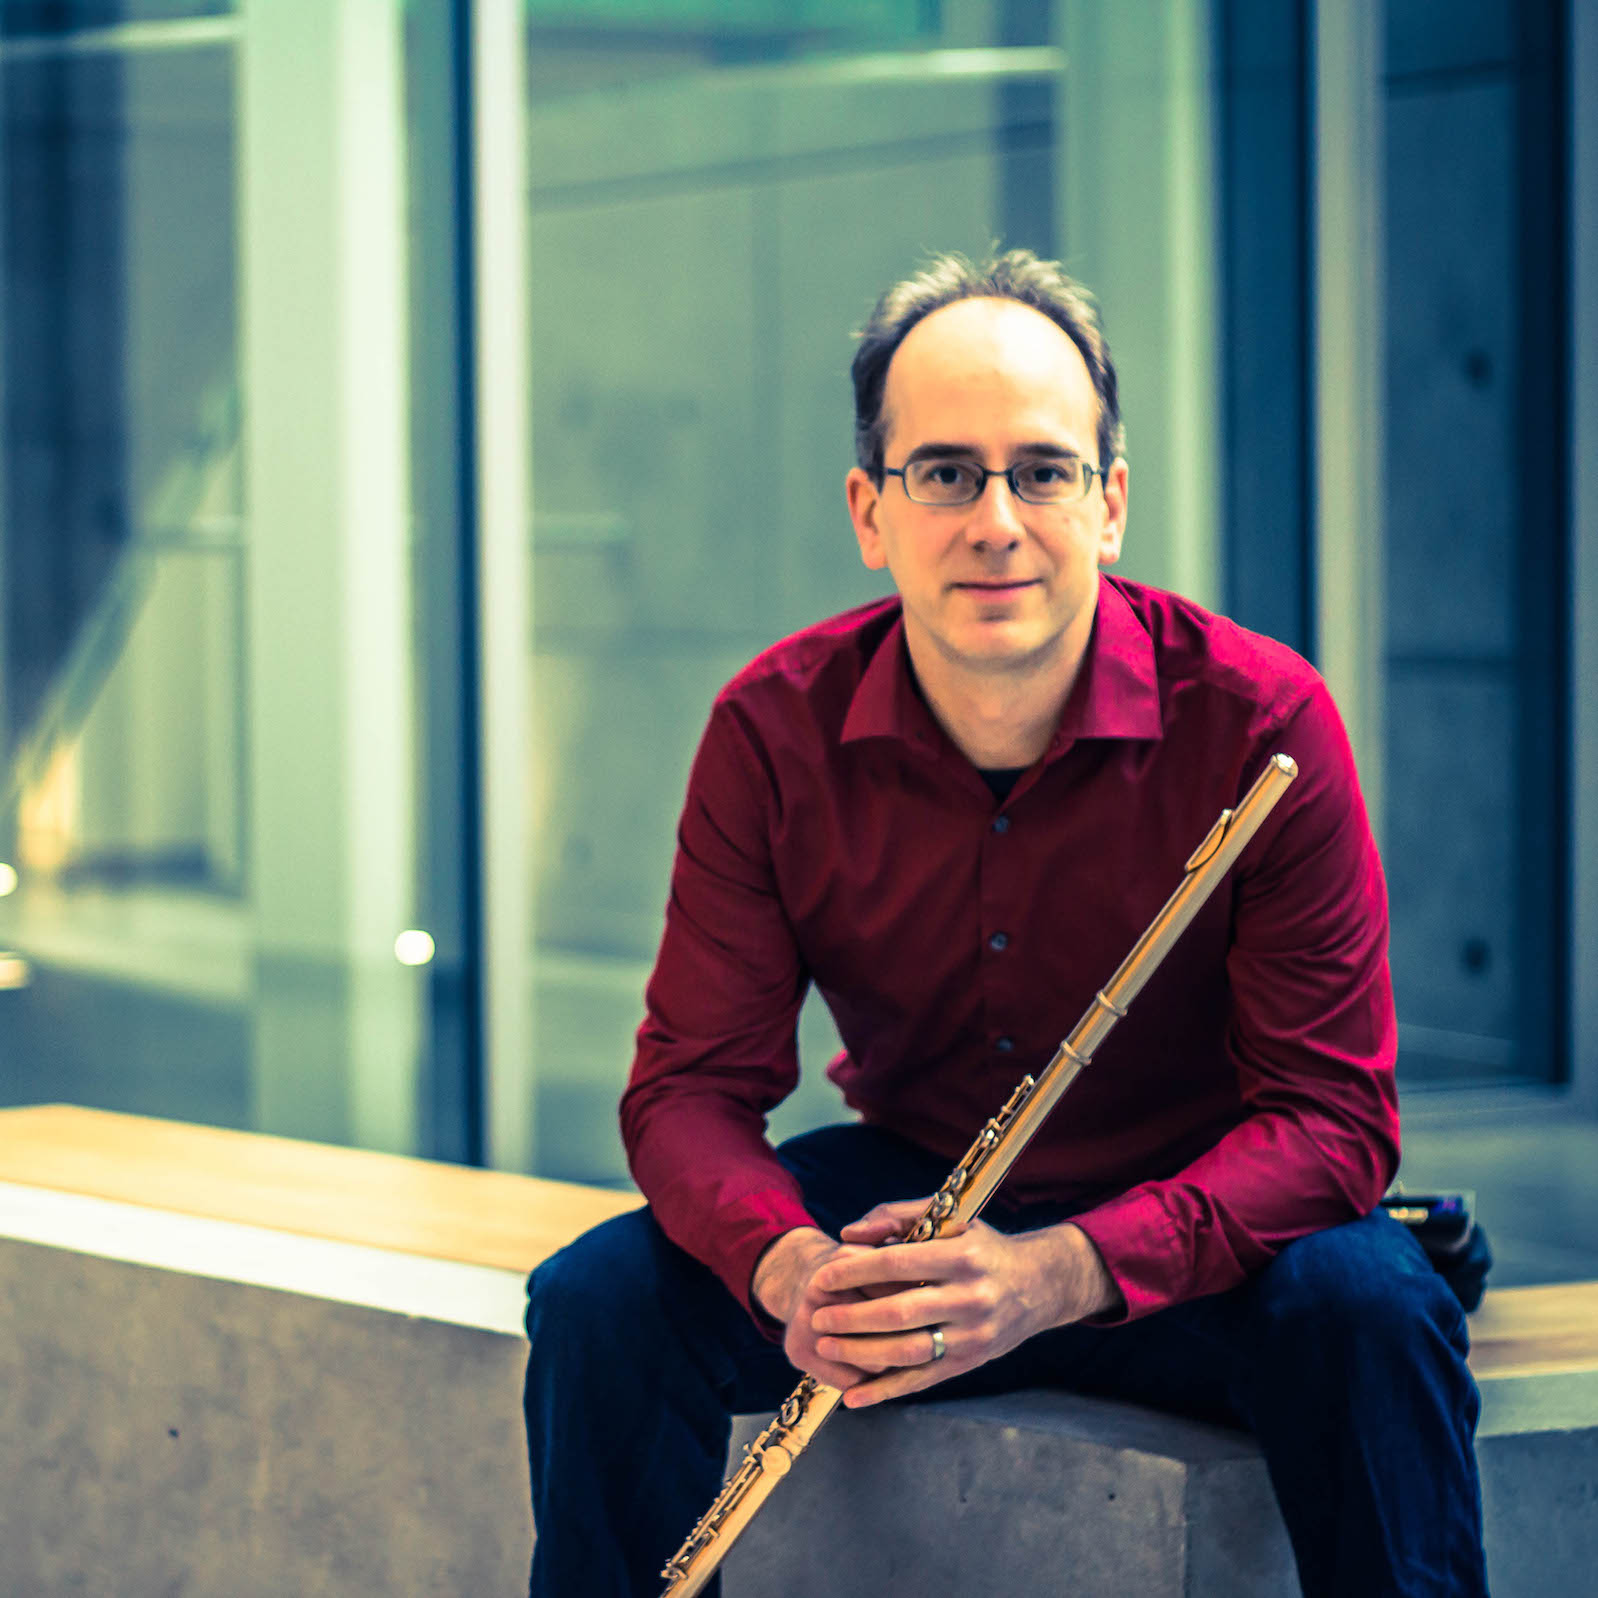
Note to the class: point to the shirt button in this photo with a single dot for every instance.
(1001, 823)
(999, 941)
(1005, 1045)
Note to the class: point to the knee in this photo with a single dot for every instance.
(1360, 1291)
(603, 1282)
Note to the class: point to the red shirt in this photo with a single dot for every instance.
(834, 834)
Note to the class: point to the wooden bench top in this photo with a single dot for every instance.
(425, 1207)
(1524, 1331)
(495, 1218)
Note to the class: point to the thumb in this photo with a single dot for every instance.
(885, 1221)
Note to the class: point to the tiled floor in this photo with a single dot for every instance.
(1533, 1166)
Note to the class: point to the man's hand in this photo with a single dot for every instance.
(872, 1303)
(783, 1286)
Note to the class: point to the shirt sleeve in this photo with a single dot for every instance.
(1313, 1040)
(717, 1048)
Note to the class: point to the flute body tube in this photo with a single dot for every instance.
(972, 1182)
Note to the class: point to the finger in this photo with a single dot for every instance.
(834, 1372)
(896, 1384)
(872, 1355)
(885, 1220)
(877, 1229)
(873, 1229)
(802, 1347)
(905, 1310)
(871, 1290)
(897, 1262)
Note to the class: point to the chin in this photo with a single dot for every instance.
(1000, 652)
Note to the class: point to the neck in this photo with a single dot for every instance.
(1002, 718)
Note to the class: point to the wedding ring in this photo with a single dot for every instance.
(938, 1349)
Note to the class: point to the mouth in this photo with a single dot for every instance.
(997, 587)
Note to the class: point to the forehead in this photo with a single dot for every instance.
(990, 372)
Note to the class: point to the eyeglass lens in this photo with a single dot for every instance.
(957, 482)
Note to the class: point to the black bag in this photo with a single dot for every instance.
(1444, 1224)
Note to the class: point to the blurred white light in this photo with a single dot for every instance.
(413, 948)
(8, 879)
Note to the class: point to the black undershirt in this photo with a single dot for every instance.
(1002, 781)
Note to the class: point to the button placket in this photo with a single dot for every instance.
(1000, 865)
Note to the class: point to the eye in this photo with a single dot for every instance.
(1048, 478)
(945, 480)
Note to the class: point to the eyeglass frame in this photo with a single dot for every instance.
(1088, 469)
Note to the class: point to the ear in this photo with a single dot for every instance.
(1114, 528)
(865, 503)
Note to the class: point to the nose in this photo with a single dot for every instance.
(995, 519)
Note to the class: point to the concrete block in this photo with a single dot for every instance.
(1451, 497)
(1538, 1447)
(1042, 1492)
(1455, 943)
(165, 1433)
(1030, 1492)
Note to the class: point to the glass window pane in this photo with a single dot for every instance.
(23, 19)
(714, 209)
(215, 719)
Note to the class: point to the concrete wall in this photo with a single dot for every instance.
(1472, 567)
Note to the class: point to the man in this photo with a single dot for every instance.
(954, 812)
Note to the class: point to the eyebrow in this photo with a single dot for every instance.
(1056, 452)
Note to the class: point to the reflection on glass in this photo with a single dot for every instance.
(64, 18)
(121, 569)
(205, 719)
(711, 215)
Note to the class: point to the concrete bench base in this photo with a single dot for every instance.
(1030, 1493)
(162, 1433)
(1043, 1493)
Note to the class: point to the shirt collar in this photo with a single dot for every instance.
(1116, 693)
(886, 702)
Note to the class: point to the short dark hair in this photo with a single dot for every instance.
(1015, 275)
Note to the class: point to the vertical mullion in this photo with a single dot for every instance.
(475, 995)
(502, 438)
(1266, 339)
(445, 499)
(1582, 615)
(1347, 269)
(1542, 821)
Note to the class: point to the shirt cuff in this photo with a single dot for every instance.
(743, 1235)
(1140, 1249)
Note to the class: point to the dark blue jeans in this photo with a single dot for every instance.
(1345, 1357)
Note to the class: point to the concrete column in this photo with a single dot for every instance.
(328, 663)
(1139, 228)
(1583, 22)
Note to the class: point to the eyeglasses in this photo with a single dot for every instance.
(1056, 480)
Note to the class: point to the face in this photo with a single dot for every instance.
(998, 586)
